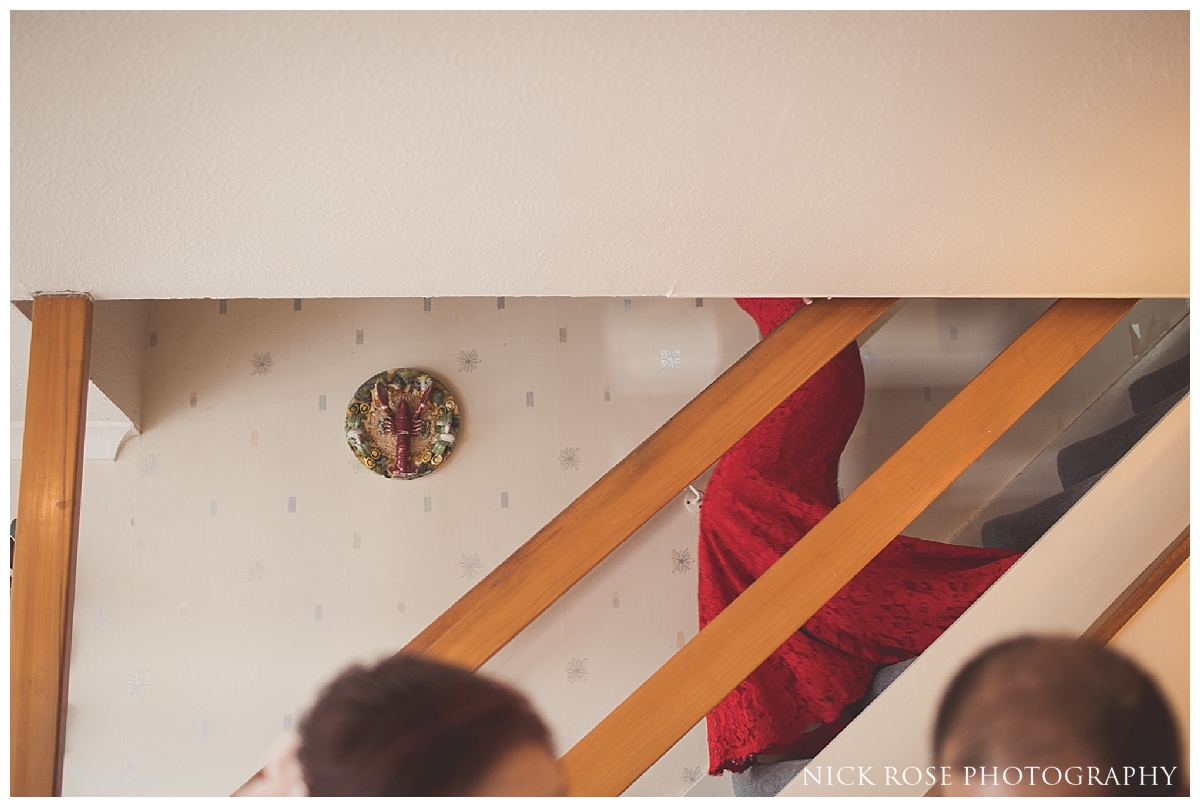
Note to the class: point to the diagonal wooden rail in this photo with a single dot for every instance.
(692, 682)
(596, 523)
(1109, 624)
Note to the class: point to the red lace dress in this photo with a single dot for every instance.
(766, 492)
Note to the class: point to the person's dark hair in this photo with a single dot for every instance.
(1028, 700)
(411, 727)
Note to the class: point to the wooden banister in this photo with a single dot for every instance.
(596, 523)
(43, 581)
(692, 682)
(1140, 591)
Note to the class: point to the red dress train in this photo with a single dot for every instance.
(765, 494)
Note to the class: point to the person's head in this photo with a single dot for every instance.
(413, 727)
(1074, 718)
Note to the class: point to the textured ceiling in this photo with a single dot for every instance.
(297, 154)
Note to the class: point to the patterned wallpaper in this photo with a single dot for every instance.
(237, 554)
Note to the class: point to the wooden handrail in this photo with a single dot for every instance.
(706, 669)
(612, 509)
(1139, 592)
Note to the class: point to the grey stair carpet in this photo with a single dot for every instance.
(1159, 385)
(1020, 530)
(1081, 464)
(885, 677)
(770, 778)
(1096, 454)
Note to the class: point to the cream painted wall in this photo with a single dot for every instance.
(408, 154)
(185, 666)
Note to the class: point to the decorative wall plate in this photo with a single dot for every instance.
(402, 424)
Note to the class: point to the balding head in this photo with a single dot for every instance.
(1057, 703)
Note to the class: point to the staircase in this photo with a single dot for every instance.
(658, 713)
(673, 700)
(1066, 584)
(1152, 388)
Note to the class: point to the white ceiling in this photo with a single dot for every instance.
(304, 154)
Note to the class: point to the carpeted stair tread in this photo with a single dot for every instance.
(885, 677)
(1020, 530)
(1160, 385)
(1100, 452)
(1082, 463)
(767, 779)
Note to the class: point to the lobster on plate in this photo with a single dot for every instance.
(400, 420)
